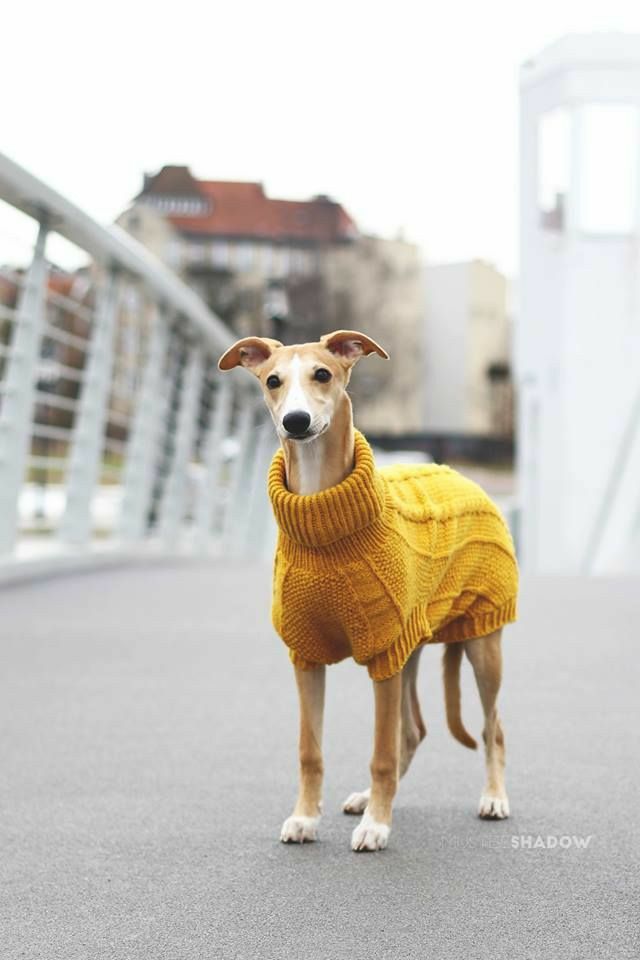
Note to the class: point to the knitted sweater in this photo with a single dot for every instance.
(386, 560)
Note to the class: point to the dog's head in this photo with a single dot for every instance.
(304, 383)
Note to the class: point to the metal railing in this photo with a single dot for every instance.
(115, 426)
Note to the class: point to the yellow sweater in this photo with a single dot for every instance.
(386, 560)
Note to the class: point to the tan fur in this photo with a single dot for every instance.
(451, 658)
(385, 762)
(412, 727)
(314, 462)
(485, 656)
(311, 685)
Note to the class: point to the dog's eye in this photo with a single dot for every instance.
(322, 375)
(273, 381)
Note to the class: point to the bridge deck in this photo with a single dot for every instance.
(148, 758)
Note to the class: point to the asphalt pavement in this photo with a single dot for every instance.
(148, 757)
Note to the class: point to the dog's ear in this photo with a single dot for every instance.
(249, 352)
(351, 345)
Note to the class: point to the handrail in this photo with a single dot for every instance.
(143, 446)
(109, 246)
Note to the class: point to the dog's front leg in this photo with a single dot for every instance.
(302, 825)
(372, 833)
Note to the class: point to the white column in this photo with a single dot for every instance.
(19, 393)
(88, 434)
(574, 200)
(173, 503)
(210, 491)
(142, 449)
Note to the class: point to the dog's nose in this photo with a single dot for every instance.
(297, 422)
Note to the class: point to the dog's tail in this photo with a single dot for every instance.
(451, 676)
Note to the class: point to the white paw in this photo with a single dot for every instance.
(356, 802)
(493, 808)
(300, 829)
(369, 835)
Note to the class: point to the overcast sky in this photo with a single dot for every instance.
(405, 112)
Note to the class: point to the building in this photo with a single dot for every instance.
(293, 270)
(240, 249)
(578, 335)
(466, 346)
(376, 286)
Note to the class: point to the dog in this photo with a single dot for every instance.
(322, 473)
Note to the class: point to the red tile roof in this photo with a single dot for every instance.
(57, 282)
(239, 209)
(8, 290)
(61, 283)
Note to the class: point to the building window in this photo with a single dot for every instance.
(244, 257)
(554, 151)
(300, 262)
(220, 254)
(281, 265)
(267, 260)
(603, 194)
(179, 206)
(607, 168)
(174, 254)
(196, 252)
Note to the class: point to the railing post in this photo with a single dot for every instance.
(19, 397)
(173, 503)
(209, 493)
(88, 434)
(258, 508)
(143, 444)
(236, 502)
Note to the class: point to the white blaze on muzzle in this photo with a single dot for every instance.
(296, 399)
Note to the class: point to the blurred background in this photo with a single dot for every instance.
(465, 191)
(461, 182)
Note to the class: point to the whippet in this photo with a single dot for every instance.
(304, 388)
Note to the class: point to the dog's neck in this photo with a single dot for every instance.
(325, 462)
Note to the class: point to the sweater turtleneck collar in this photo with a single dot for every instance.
(318, 519)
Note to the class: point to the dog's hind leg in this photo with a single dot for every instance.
(412, 730)
(412, 727)
(302, 825)
(485, 655)
(356, 802)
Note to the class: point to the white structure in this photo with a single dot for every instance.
(578, 337)
(466, 335)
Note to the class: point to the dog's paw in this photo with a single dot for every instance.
(369, 835)
(356, 802)
(300, 829)
(492, 807)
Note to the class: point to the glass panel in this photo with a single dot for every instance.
(554, 149)
(608, 168)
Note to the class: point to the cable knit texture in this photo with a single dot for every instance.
(386, 560)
